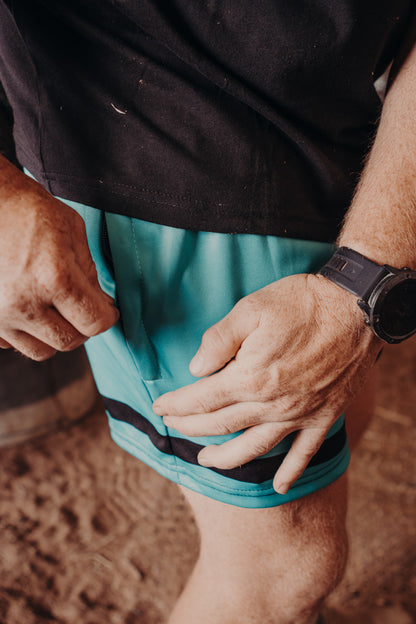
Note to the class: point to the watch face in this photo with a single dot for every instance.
(396, 310)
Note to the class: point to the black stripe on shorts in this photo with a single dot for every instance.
(256, 471)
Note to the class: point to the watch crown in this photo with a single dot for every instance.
(366, 309)
(363, 305)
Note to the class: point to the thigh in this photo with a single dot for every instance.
(281, 556)
(224, 528)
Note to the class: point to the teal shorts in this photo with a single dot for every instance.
(170, 285)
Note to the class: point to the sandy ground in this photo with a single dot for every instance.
(91, 536)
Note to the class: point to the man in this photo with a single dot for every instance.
(212, 150)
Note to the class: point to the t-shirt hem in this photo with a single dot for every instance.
(185, 212)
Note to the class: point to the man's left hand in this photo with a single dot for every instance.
(287, 358)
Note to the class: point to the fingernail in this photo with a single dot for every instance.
(204, 461)
(158, 409)
(281, 488)
(197, 364)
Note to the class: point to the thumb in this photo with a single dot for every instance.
(220, 343)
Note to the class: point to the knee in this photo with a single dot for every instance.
(321, 568)
(285, 585)
(310, 575)
(277, 564)
(296, 579)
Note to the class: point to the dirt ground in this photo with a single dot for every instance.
(91, 536)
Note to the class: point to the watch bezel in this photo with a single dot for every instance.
(374, 304)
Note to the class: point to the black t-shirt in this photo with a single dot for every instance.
(219, 115)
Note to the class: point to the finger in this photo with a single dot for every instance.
(202, 397)
(50, 328)
(221, 422)
(29, 346)
(248, 446)
(221, 342)
(306, 444)
(85, 261)
(85, 306)
(4, 344)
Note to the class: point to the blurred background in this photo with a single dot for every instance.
(89, 535)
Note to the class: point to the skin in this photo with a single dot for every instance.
(271, 566)
(273, 387)
(50, 299)
(288, 357)
(292, 356)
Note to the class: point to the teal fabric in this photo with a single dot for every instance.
(170, 286)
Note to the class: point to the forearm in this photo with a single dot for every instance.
(381, 223)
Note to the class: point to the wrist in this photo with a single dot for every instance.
(342, 306)
(386, 295)
(342, 302)
(381, 251)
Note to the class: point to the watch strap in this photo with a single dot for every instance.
(354, 272)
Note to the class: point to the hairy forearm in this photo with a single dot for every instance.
(381, 223)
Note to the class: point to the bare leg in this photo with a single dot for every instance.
(265, 566)
(270, 566)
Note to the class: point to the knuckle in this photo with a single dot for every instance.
(255, 384)
(260, 445)
(310, 449)
(215, 335)
(41, 355)
(200, 405)
(93, 326)
(73, 344)
(55, 277)
(266, 383)
(65, 341)
(61, 343)
(96, 320)
(223, 426)
(273, 378)
(244, 304)
(248, 305)
(287, 408)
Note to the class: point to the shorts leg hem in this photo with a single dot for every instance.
(238, 494)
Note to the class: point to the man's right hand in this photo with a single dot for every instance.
(50, 298)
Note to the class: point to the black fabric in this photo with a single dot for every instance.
(6, 126)
(257, 471)
(221, 115)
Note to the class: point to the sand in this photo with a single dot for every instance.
(91, 536)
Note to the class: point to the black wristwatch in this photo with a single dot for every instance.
(386, 295)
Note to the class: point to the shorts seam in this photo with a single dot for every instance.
(143, 326)
(150, 343)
